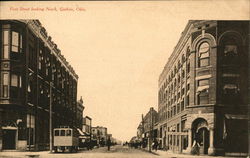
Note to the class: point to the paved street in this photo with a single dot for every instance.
(115, 152)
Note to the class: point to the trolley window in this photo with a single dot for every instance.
(68, 133)
(56, 132)
(62, 133)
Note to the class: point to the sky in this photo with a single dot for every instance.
(119, 49)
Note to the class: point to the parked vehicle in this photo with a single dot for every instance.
(66, 139)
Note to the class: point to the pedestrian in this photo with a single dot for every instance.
(108, 143)
(195, 148)
(156, 144)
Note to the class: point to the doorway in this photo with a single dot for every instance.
(203, 140)
(9, 139)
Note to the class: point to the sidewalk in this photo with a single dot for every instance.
(175, 155)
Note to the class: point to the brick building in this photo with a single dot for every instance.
(33, 75)
(203, 89)
(146, 131)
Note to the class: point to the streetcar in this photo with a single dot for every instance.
(66, 139)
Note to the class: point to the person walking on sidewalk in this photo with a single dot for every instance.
(196, 148)
(108, 143)
(155, 145)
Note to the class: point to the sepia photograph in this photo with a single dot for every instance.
(124, 79)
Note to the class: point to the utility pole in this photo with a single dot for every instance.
(150, 131)
(50, 119)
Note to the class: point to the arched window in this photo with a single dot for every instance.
(230, 51)
(203, 54)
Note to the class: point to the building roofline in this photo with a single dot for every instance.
(40, 31)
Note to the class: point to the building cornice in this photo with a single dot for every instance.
(37, 28)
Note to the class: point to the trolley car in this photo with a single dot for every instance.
(65, 139)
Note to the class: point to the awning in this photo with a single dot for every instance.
(80, 132)
(230, 86)
(230, 49)
(230, 75)
(202, 88)
(84, 136)
(203, 77)
(239, 117)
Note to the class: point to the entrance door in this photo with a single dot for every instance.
(9, 139)
(203, 139)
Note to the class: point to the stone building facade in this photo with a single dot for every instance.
(203, 89)
(35, 79)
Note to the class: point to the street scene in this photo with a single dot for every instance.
(116, 151)
(100, 86)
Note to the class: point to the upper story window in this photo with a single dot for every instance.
(203, 54)
(16, 44)
(202, 91)
(188, 67)
(183, 59)
(14, 80)
(6, 44)
(231, 54)
(16, 83)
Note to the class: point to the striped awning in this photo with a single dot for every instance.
(202, 88)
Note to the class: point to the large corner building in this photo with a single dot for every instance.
(33, 75)
(203, 89)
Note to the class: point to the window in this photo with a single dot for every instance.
(14, 80)
(187, 100)
(40, 60)
(188, 87)
(182, 91)
(203, 97)
(231, 90)
(188, 66)
(15, 41)
(182, 105)
(56, 132)
(5, 44)
(183, 73)
(68, 133)
(62, 133)
(230, 50)
(203, 54)
(30, 128)
(5, 79)
(183, 59)
(5, 84)
(231, 54)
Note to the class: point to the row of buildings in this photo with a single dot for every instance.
(38, 88)
(203, 91)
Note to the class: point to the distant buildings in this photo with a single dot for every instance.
(100, 134)
(203, 90)
(87, 125)
(33, 75)
(145, 131)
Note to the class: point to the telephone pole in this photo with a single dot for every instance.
(50, 119)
